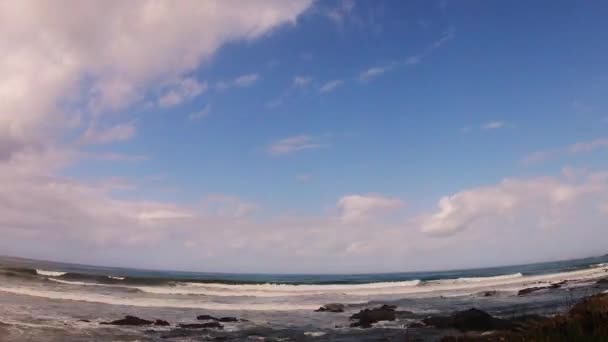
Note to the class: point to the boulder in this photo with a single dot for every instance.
(538, 288)
(603, 281)
(209, 325)
(161, 323)
(333, 307)
(468, 320)
(369, 316)
(206, 318)
(129, 320)
(228, 319)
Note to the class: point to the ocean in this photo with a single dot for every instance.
(50, 301)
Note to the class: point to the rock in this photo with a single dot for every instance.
(538, 288)
(489, 293)
(228, 319)
(416, 325)
(603, 281)
(369, 316)
(161, 323)
(206, 318)
(129, 320)
(333, 307)
(530, 290)
(468, 320)
(210, 325)
(84, 320)
(405, 314)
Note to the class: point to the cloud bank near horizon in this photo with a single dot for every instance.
(70, 79)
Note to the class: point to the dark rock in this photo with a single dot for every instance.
(84, 320)
(405, 314)
(489, 293)
(416, 325)
(603, 281)
(333, 307)
(468, 320)
(228, 319)
(530, 290)
(369, 316)
(206, 318)
(129, 320)
(161, 323)
(210, 325)
(538, 288)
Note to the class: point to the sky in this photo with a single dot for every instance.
(301, 136)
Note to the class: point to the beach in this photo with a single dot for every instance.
(46, 301)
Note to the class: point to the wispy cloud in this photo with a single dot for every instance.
(201, 113)
(360, 208)
(330, 86)
(301, 81)
(304, 177)
(493, 125)
(376, 71)
(296, 143)
(116, 133)
(246, 80)
(339, 13)
(573, 149)
(182, 90)
(588, 146)
(242, 81)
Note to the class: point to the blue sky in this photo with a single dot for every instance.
(287, 114)
(403, 133)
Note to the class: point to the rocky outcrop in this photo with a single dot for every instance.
(161, 323)
(538, 288)
(209, 325)
(365, 318)
(468, 320)
(333, 307)
(228, 319)
(129, 320)
(586, 321)
(206, 318)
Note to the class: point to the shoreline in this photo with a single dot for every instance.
(392, 324)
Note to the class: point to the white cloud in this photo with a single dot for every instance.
(360, 208)
(535, 201)
(203, 113)
(516, 220)
(294, 144)
(330, 86)
(493, 125)
(301, 81)
(183, 90)
(116, 133)
(110, 54)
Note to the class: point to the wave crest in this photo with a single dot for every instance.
(50, 273)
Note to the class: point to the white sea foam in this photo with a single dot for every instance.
(155, 302)
(116, 278)
(444, 287)
(485, 279)
(50, 273)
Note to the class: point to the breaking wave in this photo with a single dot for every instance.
(50, 273)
